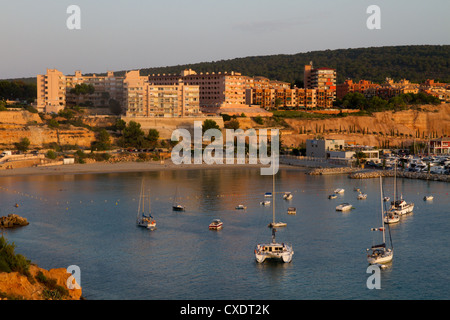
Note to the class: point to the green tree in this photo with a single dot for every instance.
(120, 125)
(232, 124)
(209, 124)
(103, 141)
(133, 136)
(23, 145)
(153, 136)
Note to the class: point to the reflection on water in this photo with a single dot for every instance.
(89, 220)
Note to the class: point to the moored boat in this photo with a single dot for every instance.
(362, 196)
(287, 196)
(216, 224)
(344, 207)
(380, 254)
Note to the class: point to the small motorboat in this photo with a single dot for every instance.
(362, 196)
(386, 199)
(241, 207)
(428, 198)
(268, 194)
(292, 210)
(265, 203)
(339, 190)
(178, 207)
(287, 196)
(277, 224)
(332, 196)
(216, 224)
(344, 207)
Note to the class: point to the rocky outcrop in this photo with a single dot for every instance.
(12, 221)
(14, 285)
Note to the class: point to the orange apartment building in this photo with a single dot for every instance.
(215, 89)
(320, 78)
(132, 92)
(350, 86)
(51, 91)
(296, 98)
(390, 89)
(147, 100)
(105, 88)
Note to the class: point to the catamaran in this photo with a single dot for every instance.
(380, 254)
(274, 250)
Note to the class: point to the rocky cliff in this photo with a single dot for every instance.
(396, 128)
(14, 285)
(16, 125)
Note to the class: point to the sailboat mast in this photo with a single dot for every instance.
(382, 218)
(273, 196)
(395, 181)
(140, 198)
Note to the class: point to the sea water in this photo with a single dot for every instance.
(89, 220)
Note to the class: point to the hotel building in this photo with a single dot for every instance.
(320, 78)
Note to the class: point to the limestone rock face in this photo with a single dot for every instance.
(17, 285)
(16, 125)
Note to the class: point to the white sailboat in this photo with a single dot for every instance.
(143, 219)
(274, 250)
(379, 254)
(400, 207)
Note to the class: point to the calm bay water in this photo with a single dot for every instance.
(89, 220)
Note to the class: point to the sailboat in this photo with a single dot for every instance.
(175, 205)
(399, 207)
(379, 254)
(274, 250)
(143, 219)
(274, 224)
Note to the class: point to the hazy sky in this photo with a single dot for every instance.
(133, 34)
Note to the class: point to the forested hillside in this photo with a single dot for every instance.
(415, 63)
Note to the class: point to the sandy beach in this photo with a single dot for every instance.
(130, 166)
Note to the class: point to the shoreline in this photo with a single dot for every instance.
(124, 167)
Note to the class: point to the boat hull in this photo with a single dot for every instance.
(382, 259)
(404, 210)
(284, 256)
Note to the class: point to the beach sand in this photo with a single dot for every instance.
(106, 167)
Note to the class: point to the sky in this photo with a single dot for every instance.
(133, 34)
